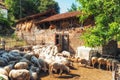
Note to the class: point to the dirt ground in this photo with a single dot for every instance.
(80, 73)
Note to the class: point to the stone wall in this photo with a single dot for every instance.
(47, 36)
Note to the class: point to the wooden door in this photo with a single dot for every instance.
(65, 42)
(62, 40)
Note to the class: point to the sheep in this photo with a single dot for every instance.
(35, 61)
(34, 69)
(14, 51)
(82, 62)
(55, 66)
(36, 47)
(66, 54)
(94, 61)
(21, 65)
(59, 54)
(3, 71)
(36, 52)
(2, 51)
(25, 60)
(101, 61)
(28, 56)
(21, 74)
(5, 57)
(49, 59)
(2, 61)
(73, 59)
(64, 68)
(43, 64)
(9, 67)
(111, 63)
(66, 62)
(53, 50)
(33, 75)
(108, 64)
(14, 55)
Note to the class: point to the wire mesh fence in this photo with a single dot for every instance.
(12, 43)
(20, 43)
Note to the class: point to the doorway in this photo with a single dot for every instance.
(62, 41)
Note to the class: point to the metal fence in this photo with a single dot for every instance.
(19, 43)
(115, 73)
(12, 44)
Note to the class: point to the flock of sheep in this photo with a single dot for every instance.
(29, 63)
(108, 63)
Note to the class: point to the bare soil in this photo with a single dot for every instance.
(80, 73)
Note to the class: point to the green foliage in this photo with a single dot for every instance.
(5, 24)
(1, 78)
(73, 7)
(48, 4)
(22, 8)
(14, 36)
(4, 21)
(107, 21)
(114, 31)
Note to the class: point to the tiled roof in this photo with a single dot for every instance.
(37, 15)
(60, 16)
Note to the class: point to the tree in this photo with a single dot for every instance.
(48, 4)
(73, 7)
(107, 21)
(106, 15)
(4, 24)
(22, 8)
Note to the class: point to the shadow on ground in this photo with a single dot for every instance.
(69, 76)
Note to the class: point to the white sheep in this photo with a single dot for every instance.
(36, 47)
(101, 61)
(9, 67)
(55, 66)
(21, 74)
(66, 54)
(109, 63)
(94, 61)
(3, 71)
(21, 65)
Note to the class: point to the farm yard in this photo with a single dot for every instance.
(40, 63)
(41, 42)
(82, 73)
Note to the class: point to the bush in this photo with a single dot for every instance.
(1, 78)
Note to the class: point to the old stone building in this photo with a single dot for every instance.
(62, 30)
